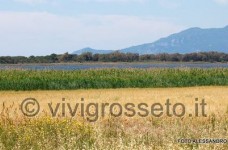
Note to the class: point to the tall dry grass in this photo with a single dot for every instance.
(44, 132)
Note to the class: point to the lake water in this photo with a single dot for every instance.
(112, 65)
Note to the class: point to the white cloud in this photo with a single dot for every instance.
(32, 1)
(221, 1)
(100, 1)
(170, 4)
(44, 33)
(110, 0)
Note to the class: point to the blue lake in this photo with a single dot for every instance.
(112, 65)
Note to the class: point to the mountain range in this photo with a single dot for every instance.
(187, 41)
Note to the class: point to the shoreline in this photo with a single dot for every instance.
(109, 63)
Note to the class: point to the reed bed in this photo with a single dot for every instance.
(111, 78)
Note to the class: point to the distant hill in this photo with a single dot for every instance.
(187, 41)
(93, 51)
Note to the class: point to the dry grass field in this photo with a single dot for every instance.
(108, 132)
(215, 97)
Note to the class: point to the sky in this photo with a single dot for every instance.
(43, 27)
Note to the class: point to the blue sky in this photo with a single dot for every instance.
(41, 27)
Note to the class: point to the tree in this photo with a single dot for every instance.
(66, 57)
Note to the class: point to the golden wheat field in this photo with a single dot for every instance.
(215, 97)
(64, 131)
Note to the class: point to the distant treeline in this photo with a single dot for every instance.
(118, 57)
